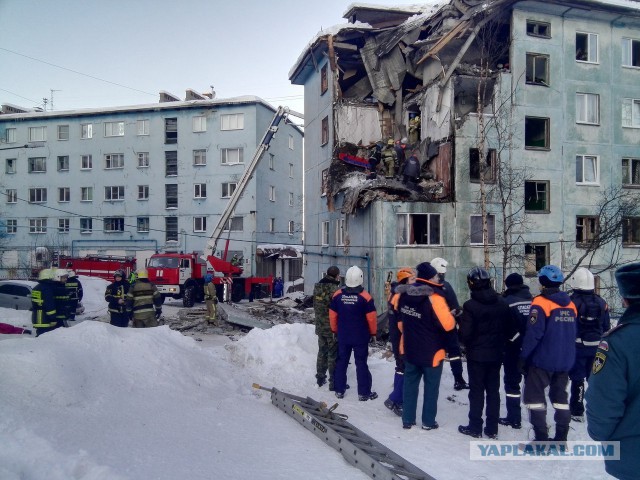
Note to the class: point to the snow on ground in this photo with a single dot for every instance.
(95, 402)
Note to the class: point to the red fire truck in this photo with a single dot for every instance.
(98, 266)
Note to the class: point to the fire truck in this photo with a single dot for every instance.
(98, 266)
(181, 275)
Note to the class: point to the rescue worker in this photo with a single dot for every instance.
(613, 396)
(63, 300)
(518, 297)
(327, 346)
(353, 318)
(395, 402)
(115, 295)
(593, 321)
(410, 170)
(548, 353)
(414, 130)
(389, 159)
(399, 147)
(43, 303)
(211, 300)
(75, 292)
(424, 321)
(144, 302)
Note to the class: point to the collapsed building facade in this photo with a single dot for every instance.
(522, 114)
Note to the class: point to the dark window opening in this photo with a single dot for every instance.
(489, 167)
(171, 194)
(538, 29)
(536, 196)
(536, 133)
(324, 80)
(631, 231)
(171, 163)
(171, 229)
(586, 230)
(536, 257)
(537, 69)
(170, 130)
(325, 131)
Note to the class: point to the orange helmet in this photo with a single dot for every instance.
(405, 272)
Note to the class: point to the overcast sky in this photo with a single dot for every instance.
(123, 52)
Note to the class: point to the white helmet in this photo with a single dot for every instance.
(59, 274)
(354, 277)
(582, 279)
(440, 264)
(71, 273)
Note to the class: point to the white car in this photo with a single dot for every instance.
(16, 294)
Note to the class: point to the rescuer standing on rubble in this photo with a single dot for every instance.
(389, 158)
(211, 299)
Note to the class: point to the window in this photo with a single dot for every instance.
(324, 80)
(631, 113)
(171, 195)
(228, 189)
(586, 230)
(142, 127)
(37, 134)
(63, 132)
(199, 157)
(86, 130)
(489, 169)
(171, 163)
(10, 135)
(113, 224)
(171, 229)
(64, 194)
(536, 196)
(37, 164)
(142, 224)
(536, 256)
(292, 227)
(538, 29)
(291, 199)
(200, 190)
(324, 184)
(63, 163)
(86, 194)
(630, 52)
(86, 225)
(537, 69)
(631, 231)
(324, 234)
(200, 123)
(271, 161)
(37, 195)
(235, 224)
(12, 226)
(272, 193)
(476, 234)
(10, 165)
(290, 142)
(536, 133)
(114, 160)
(199, 224)
(170, 130)
(143, 192)
(631, 171)
(588, 108)
(12, 195)
(115, 193)
(63, 225)
(234, 121)
(143, 159)
(340, 227)
(86, 162)
(37, 225)
(232, 155)
(291, 170)
(586, 47)
(272, 225)
(114, 129)
(324, 135)
(418, 229)
(587, 169)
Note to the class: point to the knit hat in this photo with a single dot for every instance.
(628, 278)
(514, 280)
(333, 271)
(426, 271)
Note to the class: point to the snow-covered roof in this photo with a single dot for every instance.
(280, 249)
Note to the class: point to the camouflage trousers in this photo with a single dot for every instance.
(327, 354)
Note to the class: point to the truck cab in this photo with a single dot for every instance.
(178, 275)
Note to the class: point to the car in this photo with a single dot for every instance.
(16, 294)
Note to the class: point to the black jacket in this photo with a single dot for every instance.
(519, 301)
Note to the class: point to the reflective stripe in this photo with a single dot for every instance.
(515, 304)
(535, 406)
(514, 337)
(451, 359)
(560, 406)
(515, 395)
(588, 344)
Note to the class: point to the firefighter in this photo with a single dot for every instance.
(43, 303)
(144, 302)
(75, 292)
(389, 158)
(62, 297)
(115, 295)
(211, 299)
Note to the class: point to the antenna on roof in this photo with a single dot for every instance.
(213, 92)
(51, 101)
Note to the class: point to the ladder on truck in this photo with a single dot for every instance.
(358, 448)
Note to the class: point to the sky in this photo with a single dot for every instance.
(124, 52)
(96, 402)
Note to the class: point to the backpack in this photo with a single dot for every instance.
(589, 318)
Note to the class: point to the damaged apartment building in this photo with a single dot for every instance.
(522, 114)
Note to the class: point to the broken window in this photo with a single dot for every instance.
(537, 69)
(536, 256)
(324, 185)
(324, 233)
(324, 80)
(171, 229)
(325, 131)
(630, 52)
(536, 196)
(631, 171)
(171, 195)
(631, 231)
(418, 229)
(170, 130)
(588, 108)
(113, 224)
(587, 169)
(489, 167)
(476, 236)
(171, 163)
(538, 29)
(586, 229)
(536, 133)
(586, 47)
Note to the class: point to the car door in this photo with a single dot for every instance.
(17, 297)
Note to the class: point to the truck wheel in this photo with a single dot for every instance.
(237, 292)
(188, 297)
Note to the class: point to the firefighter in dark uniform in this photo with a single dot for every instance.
(75, 292)
(115, 295)
(144, 302)
(43, 303)
(63, 300)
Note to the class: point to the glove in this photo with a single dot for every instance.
(26, 331)
(158, 312)
(522, 366)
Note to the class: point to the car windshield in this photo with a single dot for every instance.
(163, 262)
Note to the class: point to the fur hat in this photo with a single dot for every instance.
(426, 271)
(628, 278)
(514, 280)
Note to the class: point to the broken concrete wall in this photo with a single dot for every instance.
(359, 124)
(436, 124)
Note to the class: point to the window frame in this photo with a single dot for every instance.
(37, 195)
(224, 156)
(171, 130)
(535, 56)
(113, 225)
(171, 197)
(547, 133)
(324, 79)
(272, 225)
(10, 135)
(292, 227)
(587, 237)
(84, 223)
(634, 119)
(114, 193)
(272, 193)
(582, 158)
(11, 226)
(230, 187)
(341, 225)
(582, 108)
(491, 158)
(534, 24)
(406, 230)
(200, 191)
(86, 131)
(142, 127)
(630, 51)
(86, 194)
(113, 161)
(324, 233)
(231, 121)
(114, 129)
(12, 195)
(199, 123)
(531, 267)
(86, 160)
(142, 225)
(64, 225)
(61, 133)
(629, 171)
(233, 223)
(62, 164)
(291, 199)
(38, 134)
(202, 221)
(627, 231)
(324, 131)
(37, 164)
(200, 157)
(171, 163)
(491, 225)
(546, 192)
(589, 59)
(11, 166)
(143, 159)
(143, 192)
(38, 225)
(64, 194)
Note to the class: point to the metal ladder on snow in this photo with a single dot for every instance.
(358, 448)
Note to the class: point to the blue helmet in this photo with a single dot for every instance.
(552, 273)
(478, 278)
(208, 277)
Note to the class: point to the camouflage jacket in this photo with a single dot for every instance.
(322, 293)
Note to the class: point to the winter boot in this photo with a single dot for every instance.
(576, 404)
(460, 385)
(562, 431)
(514, 415)
(371, 396)
(507, 422)
(321, 380)
(430, 427)
(467, 430)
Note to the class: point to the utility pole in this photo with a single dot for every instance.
(51, 102)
